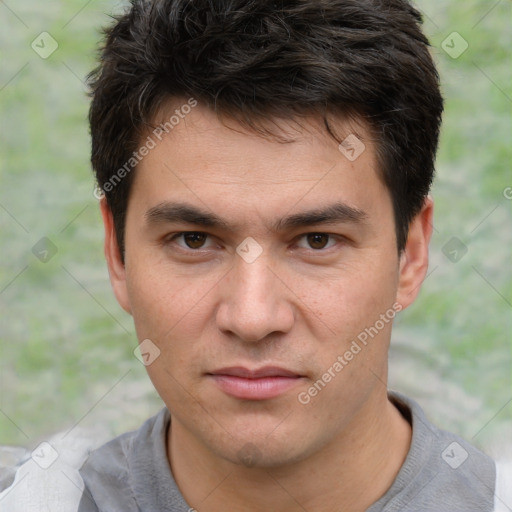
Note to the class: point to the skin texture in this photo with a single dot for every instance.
(295, 306)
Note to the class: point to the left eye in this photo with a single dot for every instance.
(317, 241)
(192, 239)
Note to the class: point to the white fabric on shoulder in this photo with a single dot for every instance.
(503, 493)
(49, 479)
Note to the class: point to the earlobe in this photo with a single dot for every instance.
(414, 257)
(116, 267)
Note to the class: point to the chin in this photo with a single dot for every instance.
(265, 453)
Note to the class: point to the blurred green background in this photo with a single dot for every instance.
(66, 347)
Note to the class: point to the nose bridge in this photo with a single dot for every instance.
(254, 303)
(253, 282)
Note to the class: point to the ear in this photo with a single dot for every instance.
(116, 268)
(414, 257)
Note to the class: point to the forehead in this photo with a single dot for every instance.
(220, 163)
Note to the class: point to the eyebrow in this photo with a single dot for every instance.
(169, 212)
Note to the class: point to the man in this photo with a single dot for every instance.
(266, 169)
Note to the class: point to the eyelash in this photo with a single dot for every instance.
(172, 238)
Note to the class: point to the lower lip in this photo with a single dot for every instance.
(255, 389)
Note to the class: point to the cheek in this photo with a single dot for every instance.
(167, 312)
(345, 301)
(173, 311)
(161, 299)
(352, 338)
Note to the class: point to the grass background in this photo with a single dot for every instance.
(66, 347)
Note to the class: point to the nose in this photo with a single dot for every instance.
(255, 302)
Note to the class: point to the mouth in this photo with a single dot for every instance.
(259, 384)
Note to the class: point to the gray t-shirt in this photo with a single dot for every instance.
(442, 472)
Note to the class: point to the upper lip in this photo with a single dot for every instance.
(266, 371)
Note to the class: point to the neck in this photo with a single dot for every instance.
(350, 473)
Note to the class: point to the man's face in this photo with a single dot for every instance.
(287, 303)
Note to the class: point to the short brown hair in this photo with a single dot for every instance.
(254, 59)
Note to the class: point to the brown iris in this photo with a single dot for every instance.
(194, 240)
(317, 240)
